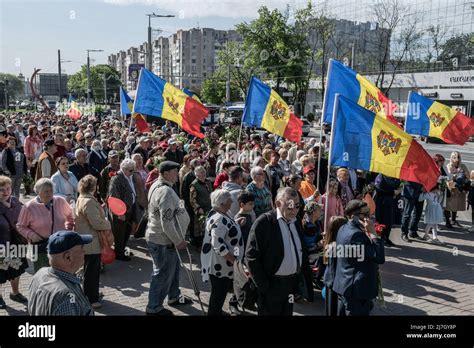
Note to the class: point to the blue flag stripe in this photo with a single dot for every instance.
(256, 103)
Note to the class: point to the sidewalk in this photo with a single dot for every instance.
(418, 279)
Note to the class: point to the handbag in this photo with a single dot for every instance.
(16, 237)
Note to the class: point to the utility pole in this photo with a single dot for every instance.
(89, 75)
(149, 60)
(227, 85)
(59, 75)
(353, 54)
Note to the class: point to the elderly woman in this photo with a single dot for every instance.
(90, 219)
(346, 192)
(200, 200)
(12, 269)
(459, 175)
(14, 164)
(139, 167)
(223, 245)
(64, 182)
(263, 196)
(186, 168)
(42, 216)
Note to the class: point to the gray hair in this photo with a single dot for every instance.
(96, 142)
(300, 153)
(283, 192)
(135, 155)
(42, 184)
(219, 197)
(254, 171)
(79, 151)
(127, 163)
(199, 169)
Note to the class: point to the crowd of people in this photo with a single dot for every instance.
(259, 202)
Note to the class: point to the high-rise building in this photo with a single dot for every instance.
(185, 58)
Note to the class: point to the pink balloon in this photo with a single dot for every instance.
(117, 206)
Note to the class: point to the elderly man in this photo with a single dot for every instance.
(46, 166)
(108, 172)
(80, 168)
(56, 290)
(142, 148)
(97, 158)
(167, 223)
(124, 187)
(355, 279)
(173, 153)
(275, 255)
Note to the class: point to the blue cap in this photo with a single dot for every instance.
(62, 241)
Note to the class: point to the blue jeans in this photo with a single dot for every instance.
(165, 276)
(411, 212)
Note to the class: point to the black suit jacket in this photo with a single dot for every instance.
(120, 188)
(264, 252)
(356, 276)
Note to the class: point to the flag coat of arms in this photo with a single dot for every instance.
(156, 97)
(361, 140)
(266, 109)
(345, 81)
(432, 119)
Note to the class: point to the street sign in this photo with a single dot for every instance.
(134, 71)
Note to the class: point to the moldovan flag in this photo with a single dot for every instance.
(191, 94)
(156, 97)
(126, 103)
(140, 123)
(432, 119)
(266, 109)
(74, 111)
(364, 141)
(357, 88)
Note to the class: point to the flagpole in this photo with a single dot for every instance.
(135, 100)
(406, 114)
(331, 150)
(323, 113)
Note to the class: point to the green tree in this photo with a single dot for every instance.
(213, 91)
(14, 87)
(77, 83)
(460, 47)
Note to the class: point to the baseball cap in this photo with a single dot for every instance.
(167, 166)
(171, 141)
(113, 153)
(308, 169)
(62, 241)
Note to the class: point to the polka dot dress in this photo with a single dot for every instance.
(222, 235)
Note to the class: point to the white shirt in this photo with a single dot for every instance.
(289, 264)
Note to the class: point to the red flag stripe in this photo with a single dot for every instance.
(193, 115)
(294, 129)
(459, 130)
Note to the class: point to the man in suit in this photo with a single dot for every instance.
(355, 281)
(275, 255)
(123, 187)
(97, 158)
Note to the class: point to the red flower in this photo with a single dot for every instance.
(112, 174)
(379, 228)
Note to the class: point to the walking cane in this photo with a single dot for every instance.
(190, 270)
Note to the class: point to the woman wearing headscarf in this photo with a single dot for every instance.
(459, 176)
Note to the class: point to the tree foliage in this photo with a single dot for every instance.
(77, 83)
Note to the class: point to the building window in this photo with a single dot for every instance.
(193, 61)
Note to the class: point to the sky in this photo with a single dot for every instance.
(32, 31)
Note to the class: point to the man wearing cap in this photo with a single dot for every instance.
(107, 173)
(167, 224)
(56, 290)
(46, 165)
(142, 148)
(173, 153)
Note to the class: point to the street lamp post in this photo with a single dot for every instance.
(150, 50)
(89, 74)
